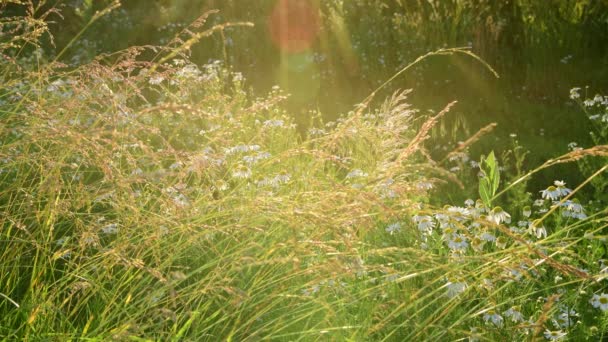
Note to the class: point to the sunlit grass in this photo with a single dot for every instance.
(157, 200)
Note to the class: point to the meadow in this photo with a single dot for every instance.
(150, 193)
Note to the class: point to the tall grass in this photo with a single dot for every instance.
(153, 199)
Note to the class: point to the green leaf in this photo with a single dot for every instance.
(493, 172)
(485, 191)
(488, 184)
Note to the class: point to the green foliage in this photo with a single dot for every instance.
(490, 179)
(596, 112)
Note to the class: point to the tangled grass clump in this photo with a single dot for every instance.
(157, 199)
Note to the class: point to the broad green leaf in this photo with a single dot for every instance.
(488, 184)
(485, 192)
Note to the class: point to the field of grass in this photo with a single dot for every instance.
(145, 197)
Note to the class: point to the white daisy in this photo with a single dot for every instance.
(485, 236)
(356, 173)
(111, 228)
(561, 187)
(574, 93)
(454, 289)
(600, 301)
(425, 223)
(393, 227)
(565, 319)
(459, 213)
(242, 172)
(458, 242)
(574, 210)
(536, 228)
(498, 215)
(494, 317)
(551, 193)
(514, 315)
(554, 335)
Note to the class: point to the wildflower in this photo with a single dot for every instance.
(565, 319)
(444, 220)
(494, 317)
(111, 228)
(425, 223)
(561, 187)
(393, 227)
(574, 146)
(477, 243)
(469, 203)
(424, 185)
(517, 230)
(155, 80)
(459, 213)
(589, 103)
(474, 335)
(574, 93)
(487, 284)
(538, 203)
(554, 335)
(488, 237)
(391, 278)
(551, 193)
(220, 185)
(356, 173)
(537, 228)
(282, 177)
(458, 242)
(514, 273)
(498, 215)
(242, 149)
(176, 165)
(574, 210)
(255, 158)
(316, 132)
(501, 242)
(242, 172)
(527, 211)
(454, 289)
(480, 206)
(600, 301)
(514, 315)
(274, 123)
(181, 200)
(528, 326)
(603, 267)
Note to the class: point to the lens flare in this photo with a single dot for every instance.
(294, 25)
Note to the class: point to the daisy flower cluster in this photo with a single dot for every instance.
(464, 229)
